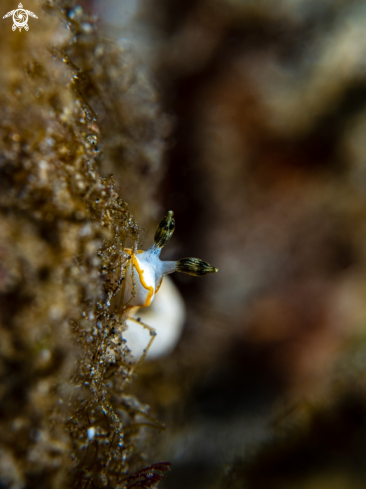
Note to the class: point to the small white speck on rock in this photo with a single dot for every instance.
(91, 433)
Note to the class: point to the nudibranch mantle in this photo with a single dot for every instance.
(146, 271)
(146, 275)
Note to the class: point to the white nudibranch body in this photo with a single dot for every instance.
(143, 278)
(145, 272)
(166, 316)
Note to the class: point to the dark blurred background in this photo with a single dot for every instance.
(265, 169)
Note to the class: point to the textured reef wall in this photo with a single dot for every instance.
(65, 420)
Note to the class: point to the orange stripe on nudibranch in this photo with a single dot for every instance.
(129, 251)
(142, 281)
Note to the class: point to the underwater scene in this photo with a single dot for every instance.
(183, 244)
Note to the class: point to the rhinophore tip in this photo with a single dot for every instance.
(195, 267)
(164, 230)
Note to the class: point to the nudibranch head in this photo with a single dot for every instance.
(145, 271)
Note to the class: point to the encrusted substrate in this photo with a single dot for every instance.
(65, 420)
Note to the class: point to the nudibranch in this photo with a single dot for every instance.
(146, 271)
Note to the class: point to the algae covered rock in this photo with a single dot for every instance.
(65, 418)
